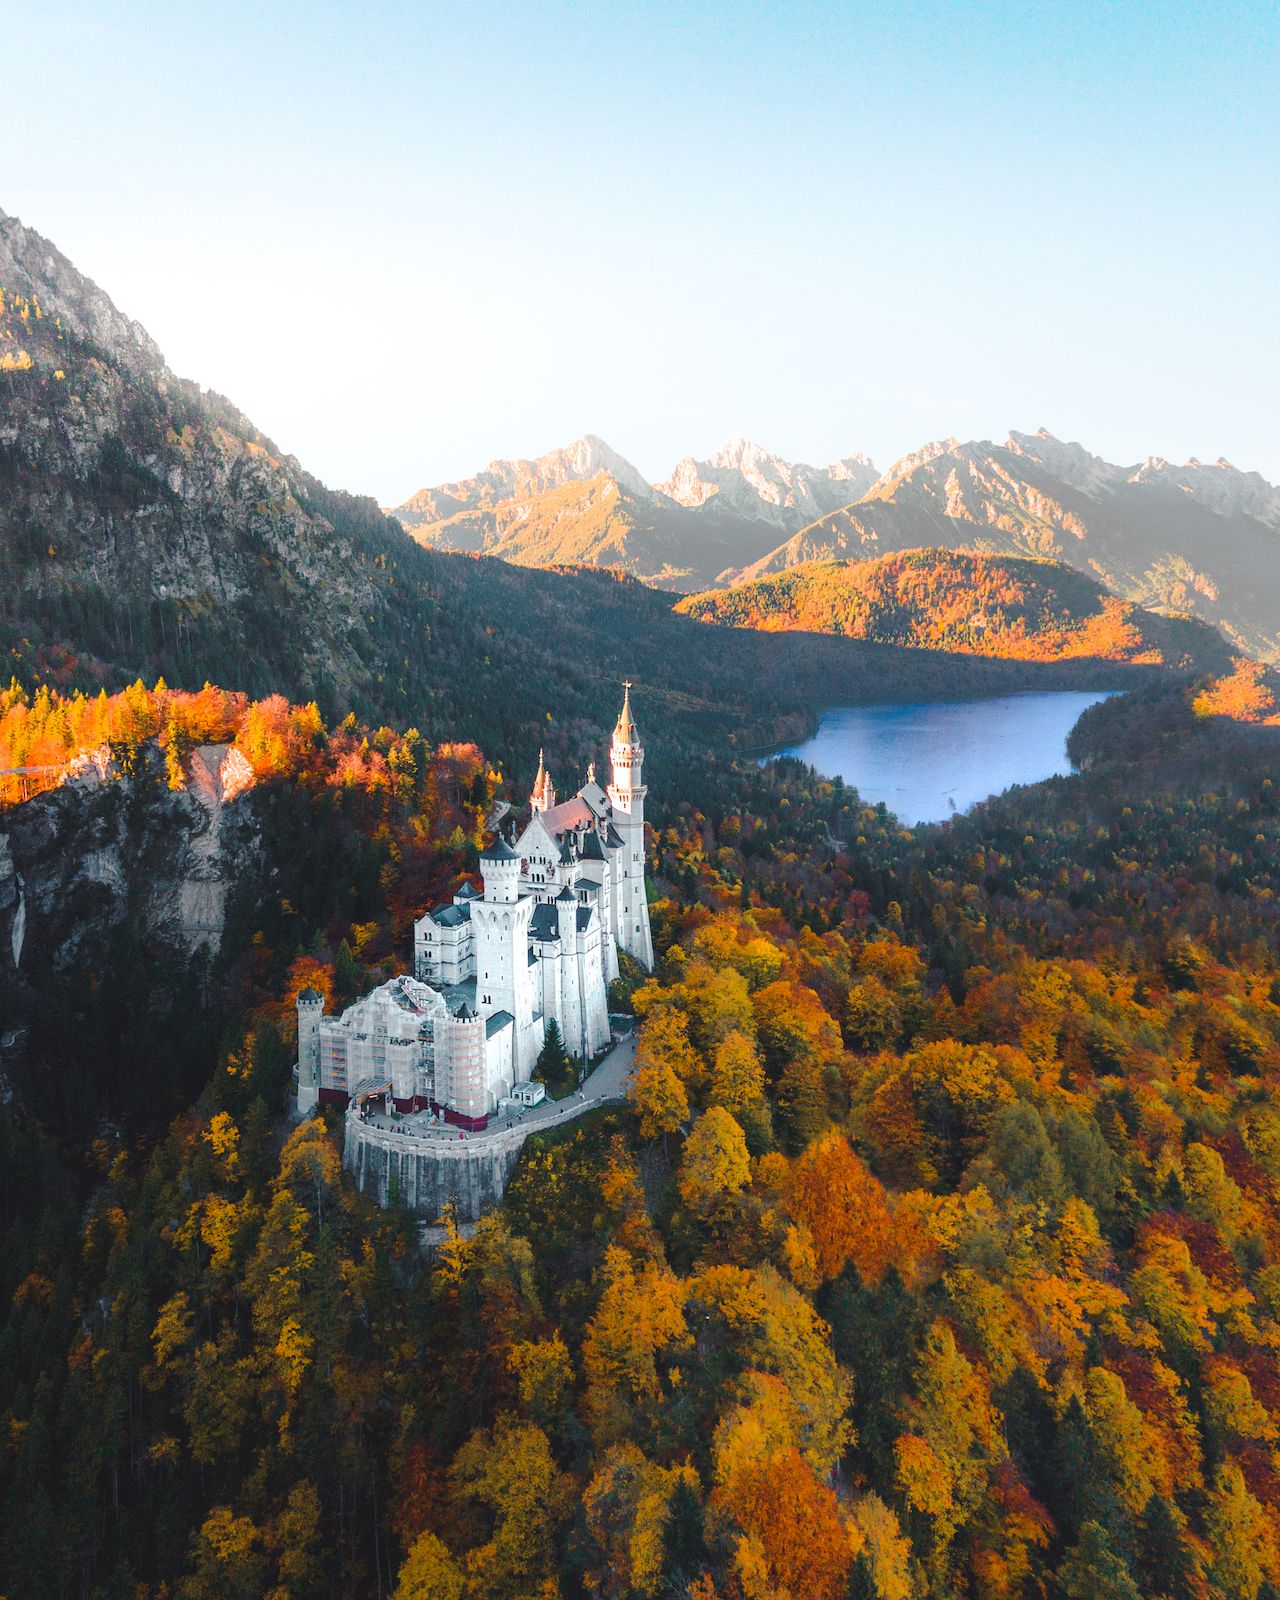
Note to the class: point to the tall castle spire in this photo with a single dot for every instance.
(625, 732)
(544, 794)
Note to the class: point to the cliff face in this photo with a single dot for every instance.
(114, 898)
(79, 861)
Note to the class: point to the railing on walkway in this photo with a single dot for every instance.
(444, 1134)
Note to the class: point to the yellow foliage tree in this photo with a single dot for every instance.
(715, 1164)
(429, 1572)
(737, 1078)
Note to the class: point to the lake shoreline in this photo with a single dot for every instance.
(929, 760)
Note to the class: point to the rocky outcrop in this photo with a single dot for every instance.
(79, 860)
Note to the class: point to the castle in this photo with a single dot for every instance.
(492, 968)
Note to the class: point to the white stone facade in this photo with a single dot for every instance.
(541, 941)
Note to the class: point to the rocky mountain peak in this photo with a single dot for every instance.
(33, 267)
(1219, 486)
(1069, 463)
(917, 459)
(741, 452)
(585, 459)
(750, 481)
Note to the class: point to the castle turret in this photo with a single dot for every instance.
(310, 1005)
(543, 797)
(627, 794)
(500, 870)
(504, 977)
(461, 1079)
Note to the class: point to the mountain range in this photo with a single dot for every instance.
(586, 503)
(147, 528)
(1201, 538)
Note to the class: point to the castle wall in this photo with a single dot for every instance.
(430, 1173)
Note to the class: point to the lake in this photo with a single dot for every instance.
(928, 761)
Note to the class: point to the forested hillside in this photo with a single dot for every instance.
(933, 1257)
(1009, 607)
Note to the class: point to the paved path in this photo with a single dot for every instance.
(608, 1083)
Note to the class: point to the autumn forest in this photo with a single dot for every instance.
(936, 1253)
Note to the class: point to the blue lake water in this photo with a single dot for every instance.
(930, 760)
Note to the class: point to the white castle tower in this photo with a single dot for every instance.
(626, 795)
(504, 977)
(543, 797)
(310, 1009)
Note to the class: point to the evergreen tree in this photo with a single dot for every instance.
(802, 1104)
(1164, 1564)
(862, 1583)
(554, 1067)
(1093, 1571)
(684, 1537)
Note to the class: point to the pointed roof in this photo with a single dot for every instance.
(566, 894)
(625, 732)
(575, 813)
(499, 850)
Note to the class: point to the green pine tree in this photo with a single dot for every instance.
(1092, 1570)
(554, 1067)
(1164, 1564)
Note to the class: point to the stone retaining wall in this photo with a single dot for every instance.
(429, 1172)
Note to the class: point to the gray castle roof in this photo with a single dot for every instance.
(450, 916)
(499, 850)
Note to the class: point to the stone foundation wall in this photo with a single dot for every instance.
(431, 1172)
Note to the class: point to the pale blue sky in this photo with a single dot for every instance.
(408, 237)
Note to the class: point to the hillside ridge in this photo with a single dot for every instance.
(973, 603)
